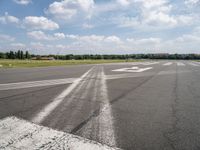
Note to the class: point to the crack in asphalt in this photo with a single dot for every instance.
(20, 138)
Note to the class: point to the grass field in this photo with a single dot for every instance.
(4, 63)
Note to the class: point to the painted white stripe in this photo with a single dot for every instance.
(168, 64)
(75, 97)
(150, 63)
(51, 106)
(138, 63)
(21, 85)
(193, 64)
(145, 63)
(132, 69)
(19, 134)
(121, 76)
(180, 64)
(197, 62)
(106, 124)
(101, 127)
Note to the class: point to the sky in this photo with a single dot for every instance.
(100, 26)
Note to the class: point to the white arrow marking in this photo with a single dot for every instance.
(133, 69)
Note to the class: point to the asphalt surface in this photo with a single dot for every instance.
(120, 105)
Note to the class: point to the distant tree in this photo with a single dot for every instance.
(11, 55)
(18, 54)
(27, 55)
(2, 55)
(21, 55)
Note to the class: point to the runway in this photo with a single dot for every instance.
(135, 106)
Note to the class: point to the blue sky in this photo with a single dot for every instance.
(100, 26)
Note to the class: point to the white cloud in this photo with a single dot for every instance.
(87, 38)
(191, 2)
(71, 36)
(39, 35)
(87, 26)
(124, 2)
(95, 38)
(43, 23)
(60, 46)
(113, 39)
(102, 44)
(157, 12)
(186, 19)
(112, 44)
(188, 38)
(193, 37)
(22, 2)
(91, 38)
(36, 44)
(144, 41)
(159, 18)
(66, 9)
(6, 38)
(152, 3)
(59, 35)
(18, 45)
(150, 13)
(131, 22)
(8, 19)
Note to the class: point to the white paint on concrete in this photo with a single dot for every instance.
(76, 97)
(193, 64)
(180, 64)
(133, 69)
(21, 85)
(145, 63)
(168, 64)
(106, 120)
(101, 127)
(150, 63)
(19, 134)
(52, 105)
(127, 75)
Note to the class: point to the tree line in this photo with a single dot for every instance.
(15, 55)
(26, 55)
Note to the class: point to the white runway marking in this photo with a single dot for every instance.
(76, 97)
(101, 127)
(121, 76)
(19, 134)
(145, 63)
(168, 64)
(193, 64)
(132, 69)
(150, 63)
(21, 85)
(180, 64)
(51, 106)
(197, 62)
